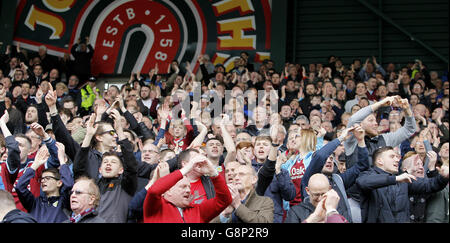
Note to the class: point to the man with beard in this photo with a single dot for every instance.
(34, 114)
(148, 101)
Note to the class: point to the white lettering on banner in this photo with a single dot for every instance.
(108, 43)
(130, 13)
(118, 19)
(112, 30)
(297, 173)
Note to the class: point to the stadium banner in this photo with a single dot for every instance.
(134, 35)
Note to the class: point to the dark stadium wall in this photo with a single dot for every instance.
(395, 31)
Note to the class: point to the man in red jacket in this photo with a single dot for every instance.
(169, 198)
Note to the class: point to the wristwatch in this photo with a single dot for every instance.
(275, 145)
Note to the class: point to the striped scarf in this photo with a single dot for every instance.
(76, 218)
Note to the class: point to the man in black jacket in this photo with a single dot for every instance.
(118, 181)
(83, 53)
(385, 194)
(318, 186)
(8, 211)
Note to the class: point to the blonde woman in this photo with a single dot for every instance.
(307, 142)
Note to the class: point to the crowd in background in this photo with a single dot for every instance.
(347, 142)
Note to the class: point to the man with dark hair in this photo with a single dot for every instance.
(83, 53)
(360, 92)
(19, 147)
(55, 191)
(118, 174)
(69, 103)
(385, 193)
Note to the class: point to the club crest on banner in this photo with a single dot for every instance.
(132, 36)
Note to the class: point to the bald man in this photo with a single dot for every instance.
(318, 186)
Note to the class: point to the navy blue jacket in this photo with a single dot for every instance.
(42, 208)
(383, 200)
(278, 187)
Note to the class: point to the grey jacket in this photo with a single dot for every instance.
(391, 139)
(437, 207)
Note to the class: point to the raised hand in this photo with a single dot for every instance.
(443, 171)
(38, 129)
(5, 118)
(332, 200)
(359, 133)
(203, 165)
(234, 195)
(2, 94)
(345, 134)
(61, 153)
(319, 214)
(51, 98)
(39, 95)
(433, 159)
(281, 159)
(41, 157)
(164, 169)
(405, 177)
(91, 127)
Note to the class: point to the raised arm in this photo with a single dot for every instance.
(197, 142)
(350, 175)
(61, 133)
(80, 163)
(320, 157)
(265, 174)
(53, 161)
(129, 182)
(395, 138)
(13, 160)
(227, 139)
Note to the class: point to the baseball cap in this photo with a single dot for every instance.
(92, 79)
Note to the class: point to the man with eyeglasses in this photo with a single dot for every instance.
(117, 178)
(49, 206)
(84, 200)
(318, 187)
